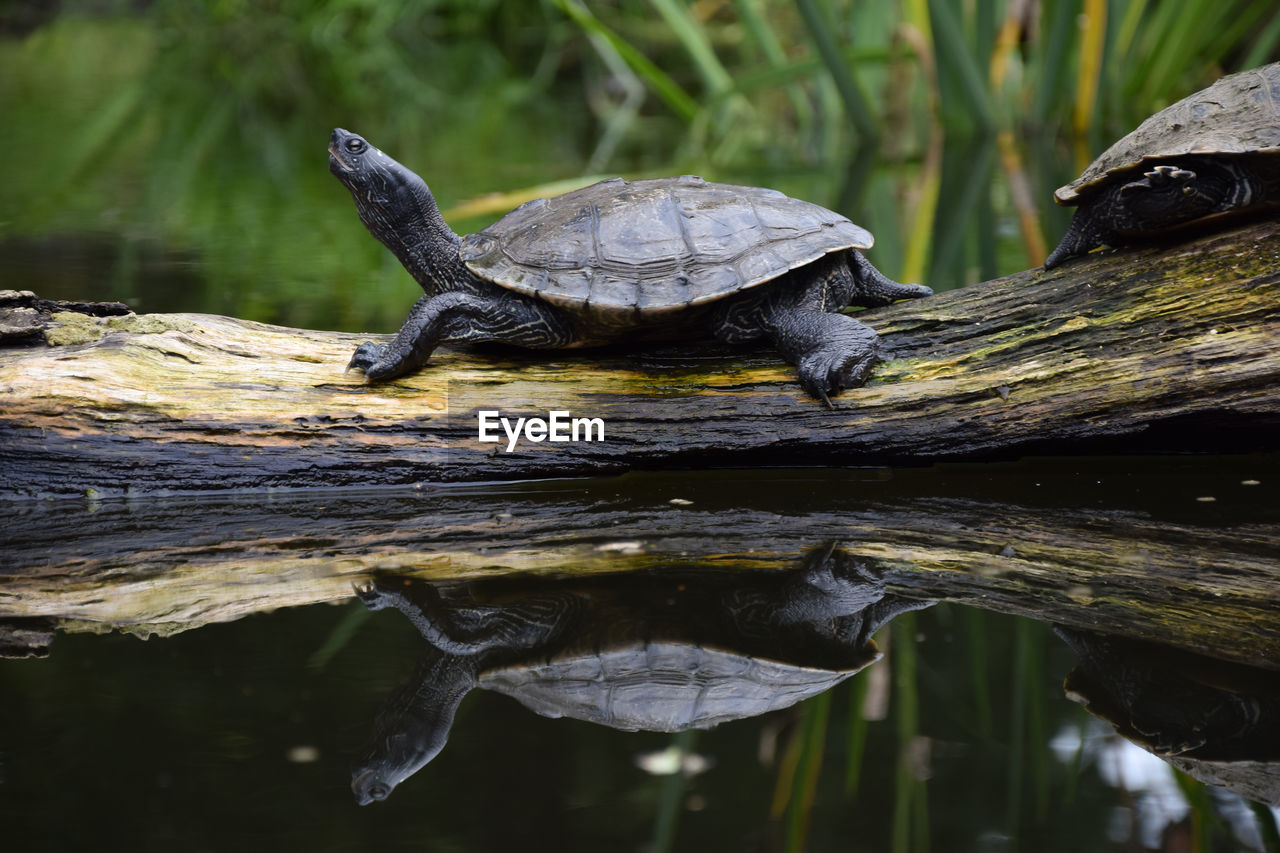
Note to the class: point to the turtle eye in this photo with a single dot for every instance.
(355, 145)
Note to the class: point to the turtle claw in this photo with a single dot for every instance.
(366, 356)
(372, 595)
(826, 372)
(1163, 175)
(366, 592)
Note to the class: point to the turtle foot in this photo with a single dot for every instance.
(375, 362)
(366, 356)
(373, 596)
(827, 371)
(1163, 176)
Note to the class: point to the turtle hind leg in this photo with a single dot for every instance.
(831, 351)
(873, 288)
(458, 317)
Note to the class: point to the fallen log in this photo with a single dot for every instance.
(1149, 348)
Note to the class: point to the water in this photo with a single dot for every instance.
(240, 722)
(199, 183)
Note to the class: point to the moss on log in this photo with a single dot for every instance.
(1169, 348)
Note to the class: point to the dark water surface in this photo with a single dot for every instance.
(244, 734)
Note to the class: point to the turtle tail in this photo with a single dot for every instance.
(1082, 235)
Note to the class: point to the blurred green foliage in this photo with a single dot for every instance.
(194, 131)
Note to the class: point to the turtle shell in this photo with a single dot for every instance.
(656, 246)
(1238, 115)
(666, 685)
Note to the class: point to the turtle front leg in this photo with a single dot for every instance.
(457, 317)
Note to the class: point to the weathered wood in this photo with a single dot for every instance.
(1144, 348)
(1159, 564)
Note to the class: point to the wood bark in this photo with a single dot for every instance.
(1152, 348)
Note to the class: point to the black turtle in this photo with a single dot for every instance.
(1213, 153)
(623, 260)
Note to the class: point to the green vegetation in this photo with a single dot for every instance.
(193, 133)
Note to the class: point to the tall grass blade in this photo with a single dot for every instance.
(979, 674)
(1267, 828)
(1058, 37)
(1092, 41)
(671, 796)
(966, 178)
(856, 737)
(855, 103)
(813, 737)
(1023, 202)
(908, 722)
(492, 204)
(1129, 23)
(1264, 47)
(785, 785)
(1022, 680)
(695, 42)
(680, 102)
(958, 64)
(99, 132)
(927, 187)
(749, 12)
(1202, 814)
(1037, 729)
(357, 614)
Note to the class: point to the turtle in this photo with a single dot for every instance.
(655, 652)
(1214, 153)
(621, 261)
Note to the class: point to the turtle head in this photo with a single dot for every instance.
(398, 208)
(405, 739)
(1148, 200)
(382, 188)
(413, 725)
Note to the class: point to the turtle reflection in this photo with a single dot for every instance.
(658, 652)
(1214, 720)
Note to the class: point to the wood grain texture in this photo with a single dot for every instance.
(1149, 348)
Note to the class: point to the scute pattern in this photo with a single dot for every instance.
(660, 686)
(1239, 114)
(654, 246)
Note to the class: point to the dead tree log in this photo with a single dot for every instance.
(1151, 348)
